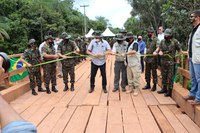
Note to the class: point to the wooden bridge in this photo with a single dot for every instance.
(97, 112)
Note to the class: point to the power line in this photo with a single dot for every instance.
(85, 24)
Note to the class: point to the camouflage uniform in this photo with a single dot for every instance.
(83, 49)
(49, 69)
(33, 57)
(68, 64)
(167, 62)
(151, 62)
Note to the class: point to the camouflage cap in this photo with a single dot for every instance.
(31, 41)
(129, 35)
(119, 36)
(48, 37)
(64, 35)
(151, 29)
(168, 32)
(96, 34)
(6, 62)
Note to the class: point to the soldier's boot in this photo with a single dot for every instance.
(72, 87)
(163, 90)
(48, 90)
(148, 86)
(168, 93)
(54, 89)
(40, 89)
(66, 87)
(34, 92)
(153, 88)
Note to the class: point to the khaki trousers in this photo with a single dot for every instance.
(133, 75)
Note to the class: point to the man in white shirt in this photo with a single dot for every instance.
(160, 34)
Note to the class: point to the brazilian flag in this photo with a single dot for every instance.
(16, 64)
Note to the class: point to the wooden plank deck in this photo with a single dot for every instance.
(97, 112)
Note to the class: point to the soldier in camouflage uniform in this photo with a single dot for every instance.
(168, 48)
(48, 54)
(83, 48)
(32, 55)
(68, 64)
(151, 61)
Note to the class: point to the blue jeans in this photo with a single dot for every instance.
(19, 126)
(195, 79)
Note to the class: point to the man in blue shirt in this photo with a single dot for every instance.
(98, 48)
(142, 47)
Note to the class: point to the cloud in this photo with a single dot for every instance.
(116, 11)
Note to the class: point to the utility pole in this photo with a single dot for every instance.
(85, 24)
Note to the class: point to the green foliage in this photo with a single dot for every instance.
(172, 14)
(25, 19)
(99, 24)
(133, 25)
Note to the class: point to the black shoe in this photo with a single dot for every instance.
(148, 86)
(168, 93)
(54, 89)
(72, 87)
(153, 88)
(114, 90)
(123, 89)
(91, 90)
(48, 90)
(41, 90)
(34, 93)
(66, 88)
(163, 90)
(105, 91)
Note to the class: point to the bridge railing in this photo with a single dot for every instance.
(183, 70)
(6, 77)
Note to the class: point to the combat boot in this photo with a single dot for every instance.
(41, 90)
(163, 90)
(148, 86)
(168, 93)
(34, 92)
(66, 87)
(54, 89)
(48, 90)
(72, 87)
(153, 88)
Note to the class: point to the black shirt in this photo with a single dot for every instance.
(190, 43)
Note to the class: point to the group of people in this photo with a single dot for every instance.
(46, 53)
(126, 53)
(133, 56)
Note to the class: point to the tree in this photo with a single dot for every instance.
(149, 12)
(3, 28)
(133, 25)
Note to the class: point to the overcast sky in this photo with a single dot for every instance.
(116, 11)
